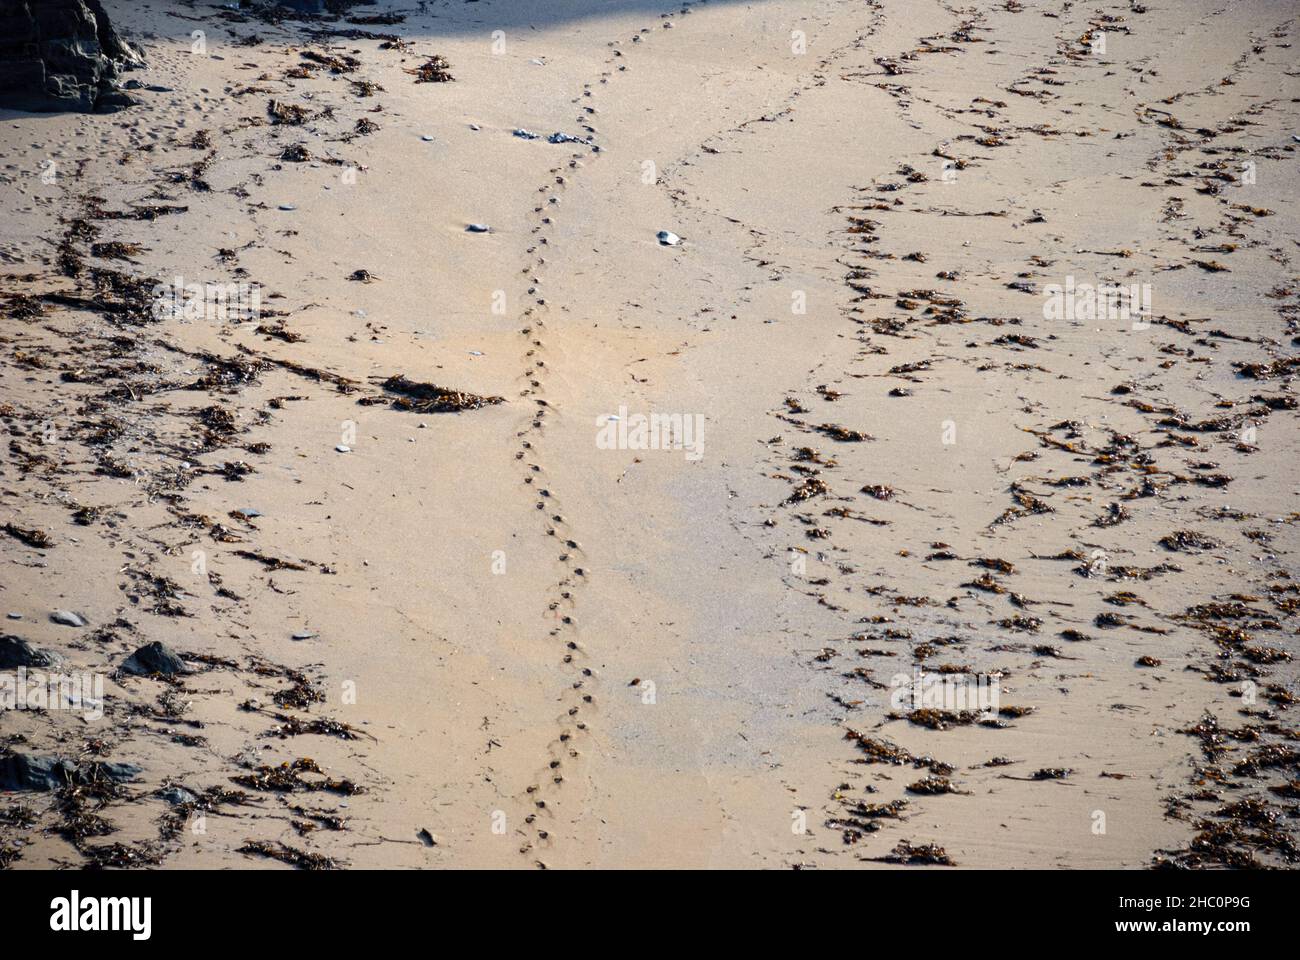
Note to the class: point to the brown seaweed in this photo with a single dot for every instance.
(927, 854)
(435, 69)
(290, 855)
(430, 398)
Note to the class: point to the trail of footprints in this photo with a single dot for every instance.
(576, 699)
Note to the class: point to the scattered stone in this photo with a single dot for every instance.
(177, 796)
(154, 658)
(16, 652)
(68, 618)
(667, 238)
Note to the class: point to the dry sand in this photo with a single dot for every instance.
(545, 652)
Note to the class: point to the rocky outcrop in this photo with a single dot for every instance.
(24, 771)
(61, 55)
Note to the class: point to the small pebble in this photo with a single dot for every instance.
(68, 618)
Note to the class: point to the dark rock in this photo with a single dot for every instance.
(117, 772)
(61, 55)
(16, 652)
(24, 771)
(21, 771)
(154, 658)
(177, 796)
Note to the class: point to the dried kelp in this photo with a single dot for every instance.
(435, 69)
(288, 777)
(926, 854)
(290, 855)
(430, 398)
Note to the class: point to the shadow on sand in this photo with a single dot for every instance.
(443, 17)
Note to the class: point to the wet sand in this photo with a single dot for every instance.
(528, 649)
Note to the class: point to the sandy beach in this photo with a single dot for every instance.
(580, 434)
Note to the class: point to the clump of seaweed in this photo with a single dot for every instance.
(271, 563)
(337, 63)
(77, 821)
(881, 751)
(936, 719)
(301, 695)
(934, 786)
(842, 434)
(863, 818)
(227, 373)
(1051, 773)
(287, 778)
(120, 856)
(288, 726)
(809, 488)
(18, 815)
(1188, 541)
(435, 69)
(430, 398)
(1020, 624)
(911, 854)
(115, 250)
(301, 859)
(288, 114)
(37, 539)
